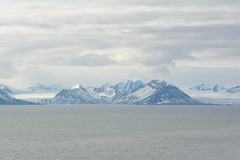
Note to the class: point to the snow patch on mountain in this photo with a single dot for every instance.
(142, 93)
(109, 93)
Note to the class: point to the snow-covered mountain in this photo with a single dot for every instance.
(165, 94)
(44, 88)
(154, 92)
(234, 90)
(201, 87)
(216, 94)
(76, 95)
(6, 89)
(116, 93)
(6, 99)
(216, 88)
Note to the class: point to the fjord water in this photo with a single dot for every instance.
(119, 132)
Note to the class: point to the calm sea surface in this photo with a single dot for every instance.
(119, 132)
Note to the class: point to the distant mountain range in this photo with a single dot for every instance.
(153, 93)
(234, 90)
(216, 88)
(44, 88)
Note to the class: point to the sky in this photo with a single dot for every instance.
(93, 42)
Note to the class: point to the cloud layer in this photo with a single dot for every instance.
(80, 37)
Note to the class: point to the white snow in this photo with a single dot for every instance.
(110, 92)
(77, 86)
(144, 93)
(35, 97)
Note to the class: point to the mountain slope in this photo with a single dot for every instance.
(6, 99)
(157, 92)
(75, 95)
(6, 89)
(152, 93)
(234, 90)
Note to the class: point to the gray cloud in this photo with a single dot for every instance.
(154, 34)
(92, 60)
(6, 69)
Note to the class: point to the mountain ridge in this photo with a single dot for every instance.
(216, 88)
(153, 93)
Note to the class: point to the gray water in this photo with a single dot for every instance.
(119, 132)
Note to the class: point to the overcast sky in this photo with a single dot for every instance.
(184, 42)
